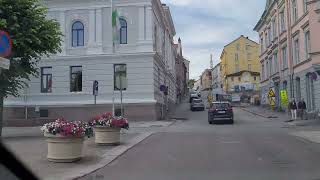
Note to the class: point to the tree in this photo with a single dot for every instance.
(191, 83)
(33, 36)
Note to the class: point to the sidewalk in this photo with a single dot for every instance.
(29, 145)
(283, 116)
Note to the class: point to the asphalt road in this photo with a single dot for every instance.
(251, 149)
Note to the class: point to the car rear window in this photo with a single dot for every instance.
(197, 100)
(221, 105)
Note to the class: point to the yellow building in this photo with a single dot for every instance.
(240, 66)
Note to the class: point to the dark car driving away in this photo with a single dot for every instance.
(220, 111)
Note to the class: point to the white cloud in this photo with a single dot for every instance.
(206, 26)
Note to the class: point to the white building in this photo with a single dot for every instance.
(144, 54)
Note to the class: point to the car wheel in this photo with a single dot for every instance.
(210, 122)
(231, 121)
(192, 109)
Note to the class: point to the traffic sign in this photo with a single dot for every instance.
(271, 93)
(4, 63)
(5, 44)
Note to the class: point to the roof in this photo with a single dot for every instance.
(240, 38)
(241, 72)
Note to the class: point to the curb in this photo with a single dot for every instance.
(106, 159)
(254, 113)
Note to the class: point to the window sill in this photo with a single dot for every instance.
(78, 47)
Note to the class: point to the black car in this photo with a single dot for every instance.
(220, 111)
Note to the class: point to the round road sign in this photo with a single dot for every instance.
(5, 44)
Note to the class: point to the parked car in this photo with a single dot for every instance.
(194, 95)
(220, 111)
(197, 104)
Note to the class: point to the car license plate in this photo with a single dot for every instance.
(221, 112)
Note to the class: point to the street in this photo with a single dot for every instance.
(253, 148)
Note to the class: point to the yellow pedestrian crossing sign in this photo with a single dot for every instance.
(271, 93)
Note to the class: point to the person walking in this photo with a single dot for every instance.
(293, 109)
(302, 108)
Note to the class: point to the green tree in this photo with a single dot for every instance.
(33, 36)
(191, 83)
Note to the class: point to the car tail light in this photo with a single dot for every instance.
(213, 110)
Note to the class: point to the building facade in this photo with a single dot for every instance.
(206, 80)
(142, 60)
(290, 51)
(216, 77)
(181, 73)
(240, 67)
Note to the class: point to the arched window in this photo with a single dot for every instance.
(123, 31)
(77, 34)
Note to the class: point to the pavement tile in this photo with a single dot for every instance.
(33, 150)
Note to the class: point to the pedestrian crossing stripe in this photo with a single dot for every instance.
(271, 93)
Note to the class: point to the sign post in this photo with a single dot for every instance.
(95, 90)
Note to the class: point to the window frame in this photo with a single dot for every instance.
(284, 57)
(77, 31)
(294, 11)
(46, 90)
(71, 73)
(296, 49)
(123, 28)
(307, 43)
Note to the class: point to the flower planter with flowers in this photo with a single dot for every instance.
(65, 139)
(107, 128)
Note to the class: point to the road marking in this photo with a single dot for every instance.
(231, 142)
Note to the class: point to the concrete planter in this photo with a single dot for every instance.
(64, 149)
(107, 135)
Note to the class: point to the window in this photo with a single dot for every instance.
(275, 62)
(77, 34)
(263, 72)
(76, 79)
(282, 21)
(46, 80)
(296, 50)
(261, 45)
(238, 47)
(307, 44)
(255, 78)
(271, 66)
(284, 57)
(274, 28)
(298, 88)
(232, 79)
(270, 36)
(305, 6)
(237, 68)
(249, 67)
(294, 11)
(248, 47)
(267, 69)
(236, 58)
(239, 78)
(155, 38)
(266, 40)
(249, 56)
(120, 77)
(123, 31)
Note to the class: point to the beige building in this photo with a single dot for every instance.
(206, 80)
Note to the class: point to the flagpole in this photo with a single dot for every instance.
(113, 51)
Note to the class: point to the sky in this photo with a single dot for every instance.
(206, 26)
